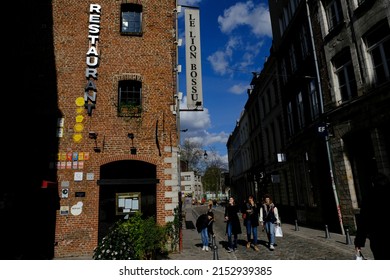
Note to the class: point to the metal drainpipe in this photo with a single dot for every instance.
(328, 149)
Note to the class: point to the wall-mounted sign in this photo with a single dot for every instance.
(78, 176)
(79, 194)
(77, 209)
(64, 210)
(92, 59)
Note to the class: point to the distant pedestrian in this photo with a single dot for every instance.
(210, 230)
(251, 221)
(201, 225)
(233, 227)
(371, 223)
(269, 217)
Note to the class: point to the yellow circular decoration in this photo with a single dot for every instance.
(79, 101)
(79, 110)
(78, 127)
(79, 118)
(77, 137)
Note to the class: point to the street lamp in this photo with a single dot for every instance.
(328, 150)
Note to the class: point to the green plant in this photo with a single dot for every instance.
(172, 230)
(128, 109)
(135, 238)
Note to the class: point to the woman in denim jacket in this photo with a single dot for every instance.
(269, 217)
(251, 222)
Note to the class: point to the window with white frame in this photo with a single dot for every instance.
(345, 76)
(378, 46)
(334, 14)
(131, 19)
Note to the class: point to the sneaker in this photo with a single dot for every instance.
(207, 249)
(229, 250)
(248, 245)
(235, 249)
(271, 247)
(256, 248)
(203, 248)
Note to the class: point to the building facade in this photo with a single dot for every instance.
(325, 136)
(191, 185)
(117, 133)
(101, 99)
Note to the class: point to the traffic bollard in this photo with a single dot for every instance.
(296, 225)
(348, 240)
(326, 232)
(215, 250)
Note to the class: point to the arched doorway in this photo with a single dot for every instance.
(125, 186)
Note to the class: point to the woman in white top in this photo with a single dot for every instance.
(269, 217)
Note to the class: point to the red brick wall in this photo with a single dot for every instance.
(152, 57)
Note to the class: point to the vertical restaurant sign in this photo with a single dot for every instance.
(193, 59)
(92, 57)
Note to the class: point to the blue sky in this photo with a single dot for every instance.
(235, 38)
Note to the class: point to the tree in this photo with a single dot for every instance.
(215, 168)
(191, 154)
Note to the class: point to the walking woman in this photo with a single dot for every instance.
(233, 227)
(269, 217)
(251, 222)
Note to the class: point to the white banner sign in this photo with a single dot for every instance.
(193, 60)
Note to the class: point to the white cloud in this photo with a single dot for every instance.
(238, 89)
(243, 52)
(193, 120)
(219, 62)
(246, 14)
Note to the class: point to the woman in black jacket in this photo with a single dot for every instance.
(202, 224)
(233, 227)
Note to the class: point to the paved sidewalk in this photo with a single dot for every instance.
(302, 244)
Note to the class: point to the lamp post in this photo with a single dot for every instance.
(328, 150)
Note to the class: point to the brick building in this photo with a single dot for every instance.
(102, 91)
(116, 85)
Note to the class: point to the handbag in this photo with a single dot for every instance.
(244, 216)
(359, 256)
(278, 231)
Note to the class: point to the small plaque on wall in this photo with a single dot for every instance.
(64, 210)
(90, 176)
(80, 194)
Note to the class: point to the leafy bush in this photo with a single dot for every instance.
(134, 238)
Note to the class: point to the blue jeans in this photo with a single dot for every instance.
(270, 229)
(205, 237)
(251, 230)
(231, 244)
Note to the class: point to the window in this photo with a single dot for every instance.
(334, 14)
(301, 117)
(345, 76)
(131, 19)
(378, 46)
(303, 38)
(293, 60)
(314, 109)
(129, 97)
(283, 69)
(290, 118)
